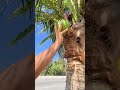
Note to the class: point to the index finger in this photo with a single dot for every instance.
(64, 31)
(60, 27)
(55, 28)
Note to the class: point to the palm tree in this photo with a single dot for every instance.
(49, 12)
(25, 7)
(102, 44)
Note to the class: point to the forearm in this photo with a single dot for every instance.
(42, 60)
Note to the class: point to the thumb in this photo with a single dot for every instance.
(64, 31)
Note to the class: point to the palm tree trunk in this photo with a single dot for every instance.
(74, 52)
(75, 75)
(100, 65)
(97, 86)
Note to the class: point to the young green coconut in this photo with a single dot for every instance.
(65, 24)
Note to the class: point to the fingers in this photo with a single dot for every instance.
(64, 31)
(60, 27)
(57, 31)
(55, 28)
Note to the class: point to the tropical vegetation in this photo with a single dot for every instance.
(70, 13)
(55, 68)
(48, 12)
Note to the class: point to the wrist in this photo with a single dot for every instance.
(58, 43)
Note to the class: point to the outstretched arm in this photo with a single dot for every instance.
(43, 59)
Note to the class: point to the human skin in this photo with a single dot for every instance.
(20, 76)
(42, 60)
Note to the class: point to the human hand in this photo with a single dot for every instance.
(59, 34)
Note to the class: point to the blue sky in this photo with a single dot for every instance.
(9, 29)
(39, 37)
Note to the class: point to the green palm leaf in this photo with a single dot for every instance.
(22, 10)
(47, 38)
(23, 34)
(48, 12)
(57, 8)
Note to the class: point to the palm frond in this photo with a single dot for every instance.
(46, 28)
(47, 38)
(49, 11)
(22, 9)
(23, 34)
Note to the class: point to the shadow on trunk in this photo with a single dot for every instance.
(102, 44)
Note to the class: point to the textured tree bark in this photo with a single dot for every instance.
(103, 44)
(97, 86)
(74, 51)
(75, 76)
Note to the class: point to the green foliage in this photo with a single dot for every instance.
(65, 24)
(27, 31)
(49, 12)
(55, 68)
(24, 7)
(53, 10)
